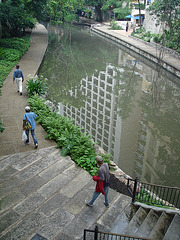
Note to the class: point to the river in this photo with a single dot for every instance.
(130, 107)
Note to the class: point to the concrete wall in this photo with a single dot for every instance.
(150, 24)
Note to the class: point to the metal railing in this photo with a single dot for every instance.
(156, 195)
(98, 235)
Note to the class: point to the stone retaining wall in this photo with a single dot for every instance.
(129, 46)
(159, 47)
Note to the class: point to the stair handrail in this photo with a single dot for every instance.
(102, 235)
(164, 196)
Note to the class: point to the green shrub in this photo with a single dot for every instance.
(36, 85)
(1, 127)
(68, 136)
(21, 44)
(114, 26)
(9, 54)
(156, 39)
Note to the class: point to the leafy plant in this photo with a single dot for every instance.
(36, 85)
(68, 136)
(1, 127)
(114, 26)
(9, 54)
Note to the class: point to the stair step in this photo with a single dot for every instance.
(123, 219)
(135, 222)
(147, 225)
(114, 211)
(161, 227)
(173, 232)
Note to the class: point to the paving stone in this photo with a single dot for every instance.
(27, 161)
(7, 173)
(73, 170)
(84, 220)
(76, 184)
(53, 204)
(55, 224)
(29, 204)
(47, 150)
(76, 203)
(11, 200)
(38, 166)
(26, 227)
(7, 219)
(10, 159)
(115, 209)
(3, 158)
(63, 236)
(9, 186)
(55, 169)
(32, 185)
(54, 185)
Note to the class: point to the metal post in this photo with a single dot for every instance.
(96, 233)
(134, 190)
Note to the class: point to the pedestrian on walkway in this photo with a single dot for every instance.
(30, 117)
(103, 177)
(18, 76)
(127, 26)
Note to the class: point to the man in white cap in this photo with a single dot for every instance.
(30, 117)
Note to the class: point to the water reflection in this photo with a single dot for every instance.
(130, 109)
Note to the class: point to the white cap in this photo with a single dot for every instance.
(27, 108)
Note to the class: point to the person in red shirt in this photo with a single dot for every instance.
(103, 180)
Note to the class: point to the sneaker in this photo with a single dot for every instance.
(106, 205)
(26, 143)
(87, 203)
(36, 145)
(20, 93)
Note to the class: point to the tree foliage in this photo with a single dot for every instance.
(14, 18)
(62, 11)
(98, 4)
(35, 8)
(168, 12)
(120, 8)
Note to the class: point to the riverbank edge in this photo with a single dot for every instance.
(137, 49)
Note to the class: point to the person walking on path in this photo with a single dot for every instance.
(103, 177)
(18, 76)
(30, 117)
(127, 26)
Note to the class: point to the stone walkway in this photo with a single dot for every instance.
(12, 104)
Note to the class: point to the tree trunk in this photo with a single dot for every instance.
(99, 13)
(139, 14)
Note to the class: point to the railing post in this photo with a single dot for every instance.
(96, 233)
(134, 190)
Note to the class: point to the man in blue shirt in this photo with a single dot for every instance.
(18, 76)
(30, 116)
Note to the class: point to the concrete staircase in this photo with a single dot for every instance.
(141, 222)
(43, 194)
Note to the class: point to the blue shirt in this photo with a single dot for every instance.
(17, 74)
(30, 116)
